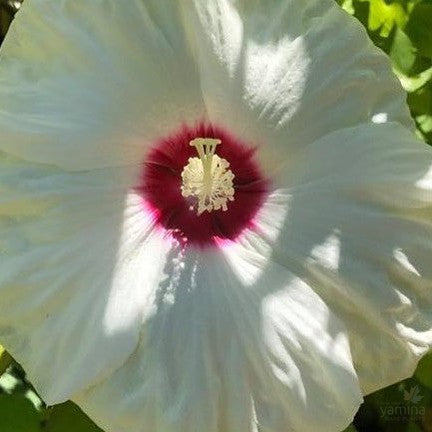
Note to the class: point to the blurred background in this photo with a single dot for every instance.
(401, 28)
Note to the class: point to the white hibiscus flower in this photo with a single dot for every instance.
(214, 214)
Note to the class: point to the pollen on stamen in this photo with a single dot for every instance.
(207, 178)
(161, 185)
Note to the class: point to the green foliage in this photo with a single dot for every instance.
(403, 29)
(419, 28)
(22, 410)
(68, 417)
(5, 360)
(7, 10)
(18, 414)
(424, 372)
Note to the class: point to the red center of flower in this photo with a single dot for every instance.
(175, 184)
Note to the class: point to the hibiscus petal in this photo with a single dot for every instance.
(220, 354)
(255, 338)
(91, 84)
(355, 222)
(284, 73)
(77, 269)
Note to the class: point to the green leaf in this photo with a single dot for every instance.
(17, 414)
(412, 427)
(402, 53)
(419, 28)
(424, 369)
(384, 17)
(420, 101)
(414, 83)
(425, 124)
(67, 417)
(350, 428)
(347, 5)
(5, 360)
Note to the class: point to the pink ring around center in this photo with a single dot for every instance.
(160, 187)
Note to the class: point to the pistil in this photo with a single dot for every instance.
(207, 178)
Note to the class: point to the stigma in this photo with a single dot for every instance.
(207, 178)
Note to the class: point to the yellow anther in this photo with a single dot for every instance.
(208, 177)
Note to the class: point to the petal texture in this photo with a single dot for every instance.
(220, 354)
(91, 84)
(284, 73)
(77, 270)
(355, 223)
(278, 331)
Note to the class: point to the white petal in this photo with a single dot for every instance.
(91, 84)
(77, 272)
(219, 345)
(219, 355)
(284, 73)
(355, 223)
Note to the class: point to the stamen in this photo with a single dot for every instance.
(208, 178)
